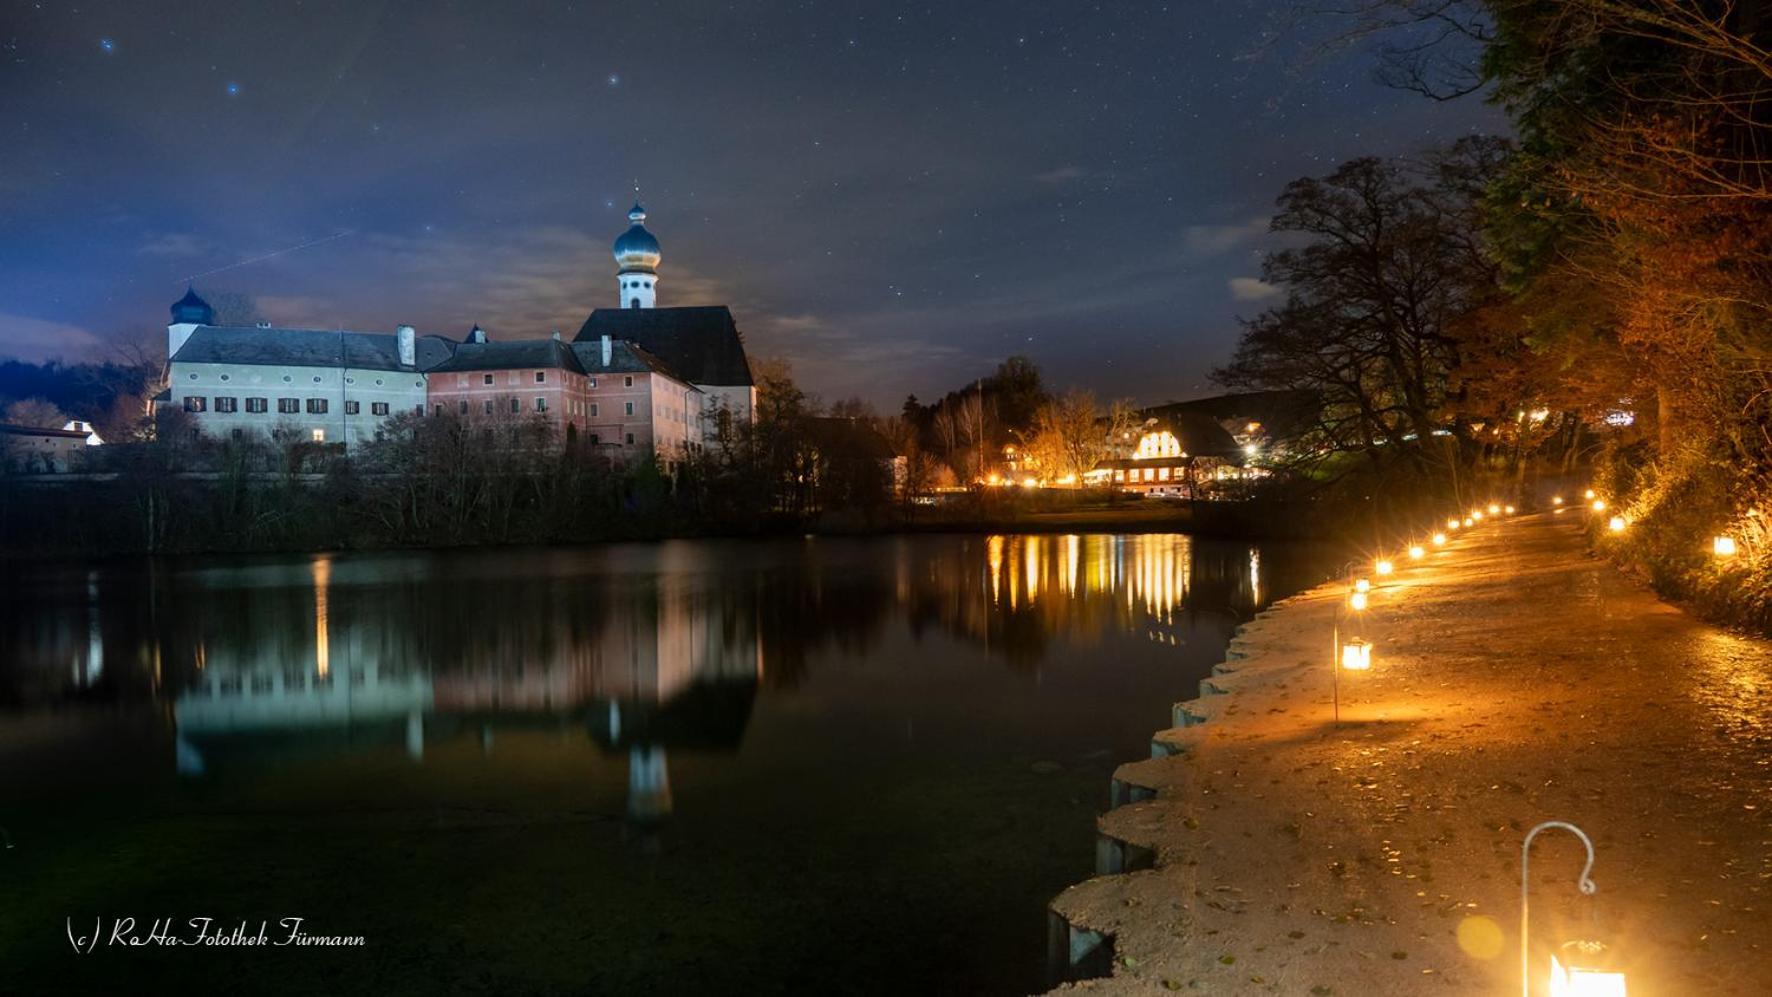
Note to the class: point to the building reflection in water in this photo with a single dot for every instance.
(651, 653)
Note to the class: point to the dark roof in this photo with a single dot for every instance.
(1283, 414)
(840, 435)
(702, 344)
(41, 431)
(192, 308)
(512, 354)
(1199, 434)
(624, 358)
(307, 348)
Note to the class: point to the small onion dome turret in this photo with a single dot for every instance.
(192, 309)
(636, 251)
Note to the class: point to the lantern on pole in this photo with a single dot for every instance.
(1494, 509)
(1588, 494)
(1599, 505)
(1578, 968)
(1384, 566)
(1452, 524)
(1508, 509)
(1556, 500)
(1439, 540)
(1362, 585)
(1616, 524)
(1356, 654)
(1417, 552)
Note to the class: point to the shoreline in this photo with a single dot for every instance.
(1264, 849)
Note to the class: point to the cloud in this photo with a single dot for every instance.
(175, 245)
(1061, 175)
(35, 339)
(1214, 240)
(1253, 289)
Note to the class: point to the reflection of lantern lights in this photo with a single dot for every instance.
(1599, 505)
(1585, 969)
(1495, 509)
(1723, 546)
(1417, 552)
(1362, 585)
(1384, 567)
(1356, 654)
(1616, 524)
(1439, 540)
(1557, 511)
(1357, 602)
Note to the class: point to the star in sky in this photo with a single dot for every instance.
(107, 45)
(232, 88)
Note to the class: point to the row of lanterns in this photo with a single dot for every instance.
(1722, 546)
(1577, 968)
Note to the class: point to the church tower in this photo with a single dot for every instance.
(188, 313)
(636, 258)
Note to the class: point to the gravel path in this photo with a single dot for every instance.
(1517, 679)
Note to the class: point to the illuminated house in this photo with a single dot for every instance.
(1185, 455)
(636, 380)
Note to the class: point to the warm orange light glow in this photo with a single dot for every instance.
(1417, 552)
(1588, 494)
(1575, 974)
(1357, 601)
(1556, 500)
(1508, 509)
(1439, 540)
(1494, 509)
(1599, 505)
(1356, 655)
(1384, 567)
(1616, 524)
(1362, 585)
(1467, 522)
(1723, 546)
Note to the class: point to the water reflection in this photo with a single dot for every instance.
(645, 649)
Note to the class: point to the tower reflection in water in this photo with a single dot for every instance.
(650, 652)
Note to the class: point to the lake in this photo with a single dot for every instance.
(818, 765)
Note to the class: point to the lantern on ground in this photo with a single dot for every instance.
(1579, 968)
(1556, 500)
(1417, 552)
(1384, 566)
(1439, 540)
(1494, 509)
(1357, 601)
(1723, 546)
(1508, 509)
(1585, 969)
(1362, 585)
(1599, 505)
(1452, 524)
(1467, 522)
(1588, 494)
(1477, 515)
(1616, 524)
(1356, 654)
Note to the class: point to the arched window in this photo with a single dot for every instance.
(634, 303)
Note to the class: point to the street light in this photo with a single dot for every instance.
(1579, 968)
(1723, 546)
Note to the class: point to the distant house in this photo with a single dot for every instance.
(1174, 455)
(636, 380)
(42, 450)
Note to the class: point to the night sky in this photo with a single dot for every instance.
(892, 197)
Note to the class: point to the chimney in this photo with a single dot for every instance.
(607, 347)
(406, 338)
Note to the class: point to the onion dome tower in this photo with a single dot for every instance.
(192, 309)
(636, 260)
